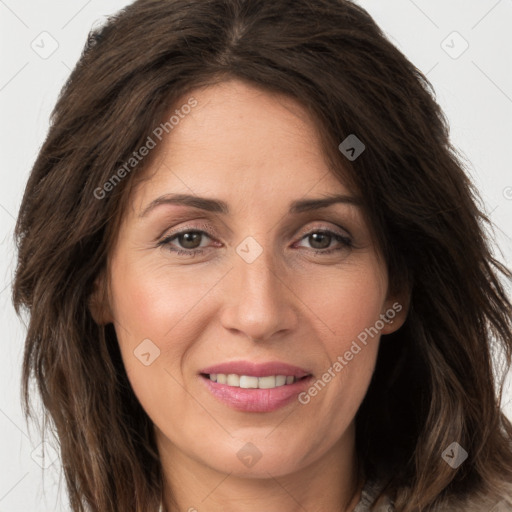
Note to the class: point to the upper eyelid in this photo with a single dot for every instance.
(203, 229)
(209, 232)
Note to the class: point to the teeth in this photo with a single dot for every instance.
(267, 382)
(233, 380)
(281, 380)
(250, 382)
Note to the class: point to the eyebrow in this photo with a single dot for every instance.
(219, 206)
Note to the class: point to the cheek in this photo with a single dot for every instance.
(347, 302)
(158, 310)
(153, 308)
(150, 301)
(350, 305)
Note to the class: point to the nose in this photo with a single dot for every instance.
(258, 298)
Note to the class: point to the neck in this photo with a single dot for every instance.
(332, 482)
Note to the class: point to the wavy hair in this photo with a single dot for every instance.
(435, 381)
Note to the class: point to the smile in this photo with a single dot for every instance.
(252, 382)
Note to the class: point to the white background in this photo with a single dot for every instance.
(474, 89)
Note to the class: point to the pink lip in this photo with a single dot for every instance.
(257, 369)
(256, 400)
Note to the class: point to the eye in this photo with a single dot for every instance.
(189, 240)
(321, 239)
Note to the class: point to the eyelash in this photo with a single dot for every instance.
(344, 240)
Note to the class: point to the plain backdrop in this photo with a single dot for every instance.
(464, 47)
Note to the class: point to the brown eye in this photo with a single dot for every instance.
(189, 242)
(190, 239)
(321, 240)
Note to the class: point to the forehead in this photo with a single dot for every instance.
(240, 139)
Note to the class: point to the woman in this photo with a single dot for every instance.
(257, 274)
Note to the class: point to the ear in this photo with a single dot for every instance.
(98, 302)
(395, 311)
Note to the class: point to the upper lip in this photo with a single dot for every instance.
(257, 369)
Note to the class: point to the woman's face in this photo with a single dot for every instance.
(276, 289)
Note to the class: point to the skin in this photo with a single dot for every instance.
(258, 152)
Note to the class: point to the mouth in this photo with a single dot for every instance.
(252, 387)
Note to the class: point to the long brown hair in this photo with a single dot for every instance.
(434, 382)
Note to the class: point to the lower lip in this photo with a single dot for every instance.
(256, 400)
